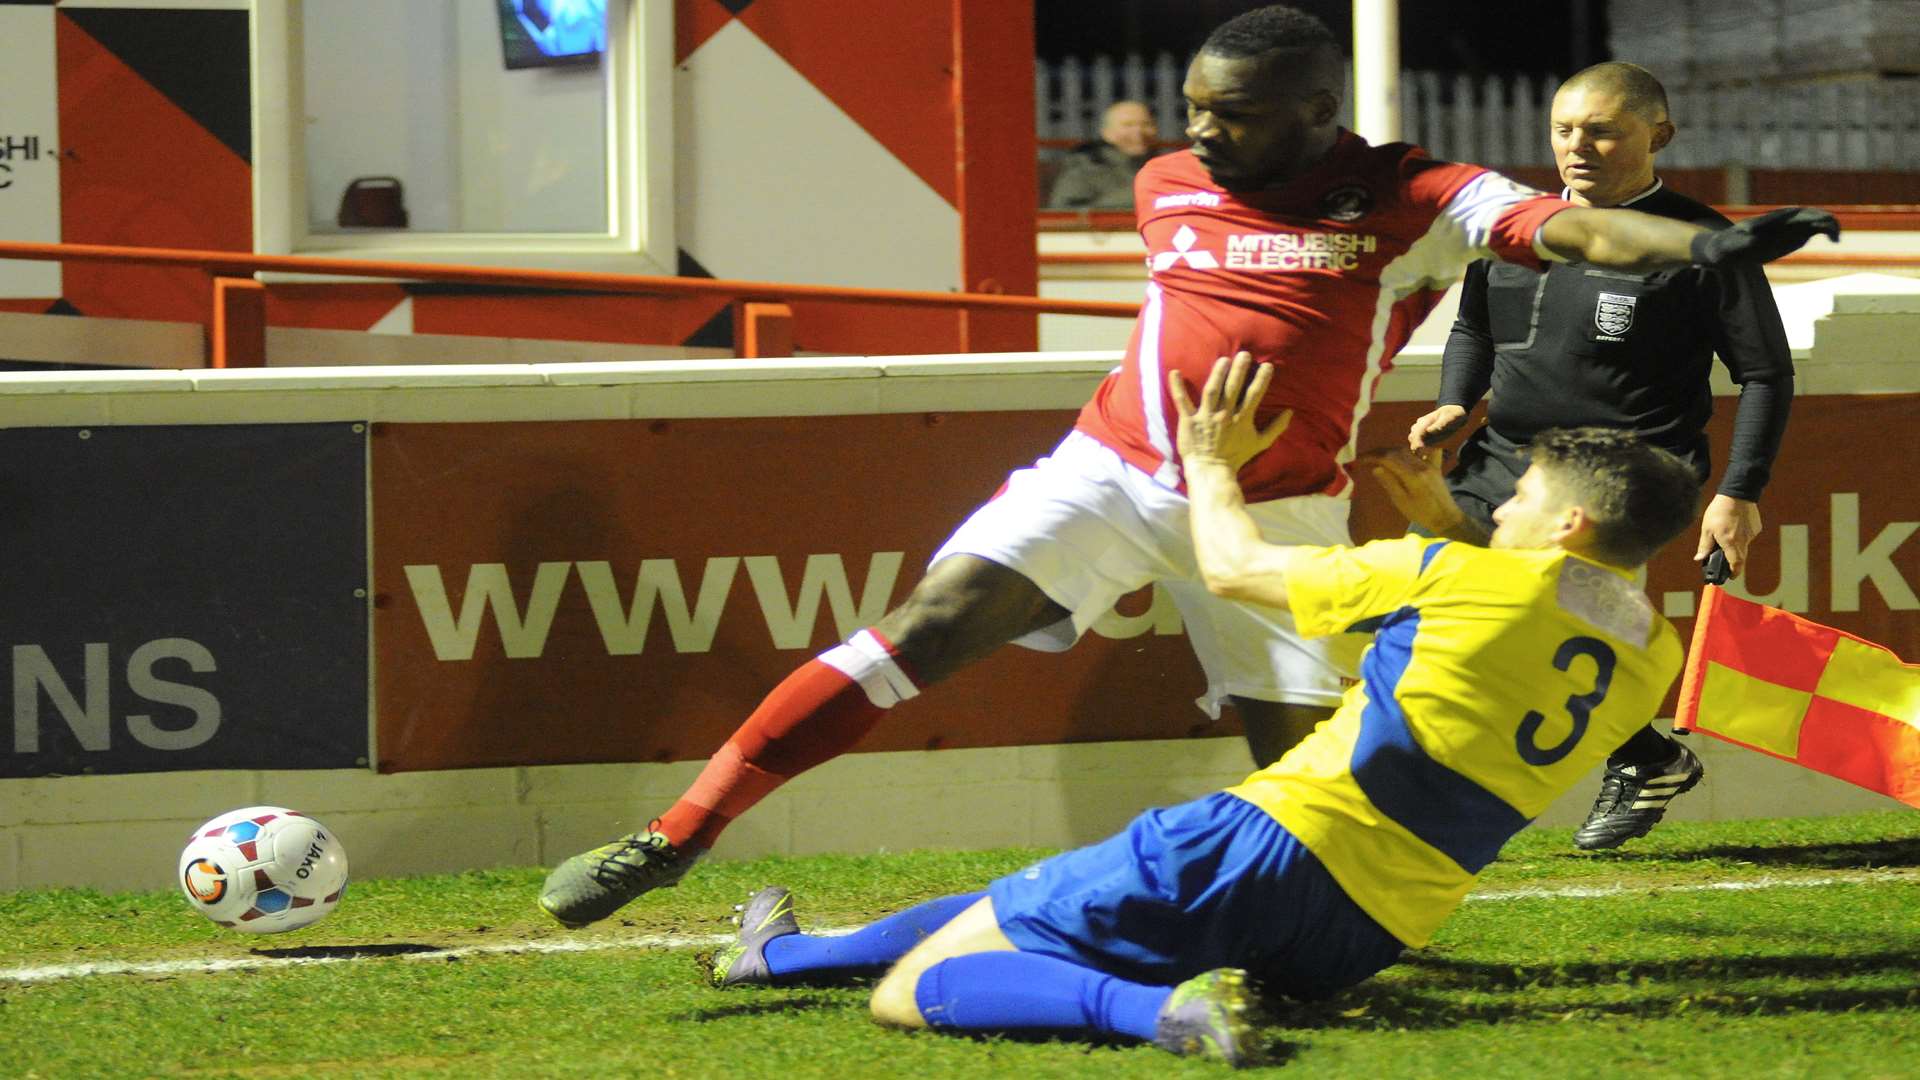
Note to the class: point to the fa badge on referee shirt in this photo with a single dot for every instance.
(1613, 315)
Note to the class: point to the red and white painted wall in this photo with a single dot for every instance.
(872, 143)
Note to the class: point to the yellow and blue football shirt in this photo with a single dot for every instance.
(1496, 679)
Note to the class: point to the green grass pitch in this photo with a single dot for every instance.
(1731, 949)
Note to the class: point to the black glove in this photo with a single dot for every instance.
(1764, 238)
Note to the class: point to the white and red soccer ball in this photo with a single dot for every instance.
(263, 869)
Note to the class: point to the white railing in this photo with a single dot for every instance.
(1502, 120)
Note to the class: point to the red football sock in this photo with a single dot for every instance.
(817, 713)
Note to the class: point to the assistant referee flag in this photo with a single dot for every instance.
(1771, 681)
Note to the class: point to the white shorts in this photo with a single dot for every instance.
(1088, 528)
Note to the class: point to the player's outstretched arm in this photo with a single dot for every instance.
(1217, 435)
(1630, 240)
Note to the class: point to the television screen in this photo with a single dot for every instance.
(543, 33)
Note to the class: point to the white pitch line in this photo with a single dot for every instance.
(1590, 892)
(55, 972)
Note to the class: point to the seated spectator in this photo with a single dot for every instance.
(1099, 175)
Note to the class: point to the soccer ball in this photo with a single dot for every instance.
(263, 869)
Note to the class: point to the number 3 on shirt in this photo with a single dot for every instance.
(1579, 706)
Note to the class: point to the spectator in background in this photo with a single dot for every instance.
(1099, 175)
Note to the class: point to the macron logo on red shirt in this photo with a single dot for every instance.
(1183, 242)
(1187, 198)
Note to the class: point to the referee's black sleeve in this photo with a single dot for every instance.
(1466, 364)
(1751, 341)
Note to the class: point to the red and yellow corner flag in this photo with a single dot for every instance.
(1771, 681)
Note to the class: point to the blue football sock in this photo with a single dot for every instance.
(870, 950)
(1016, 991)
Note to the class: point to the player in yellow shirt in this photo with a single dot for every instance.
(1497, 677)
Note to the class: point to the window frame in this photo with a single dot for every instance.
(639, 118)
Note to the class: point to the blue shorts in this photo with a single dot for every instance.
(1215, 882)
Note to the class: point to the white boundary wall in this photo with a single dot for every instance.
(124, 831)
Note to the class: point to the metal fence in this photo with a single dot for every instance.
(1502, 120)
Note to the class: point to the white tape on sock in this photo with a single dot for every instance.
(866, 661)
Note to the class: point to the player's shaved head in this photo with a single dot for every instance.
(1639, 92)
(1264, 30)
(1299, 43)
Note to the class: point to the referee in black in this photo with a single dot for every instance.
(1578, 345)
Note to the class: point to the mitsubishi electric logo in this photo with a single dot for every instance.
(1299, 251)
(1183, 250)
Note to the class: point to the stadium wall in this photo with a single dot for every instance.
(1838, 548)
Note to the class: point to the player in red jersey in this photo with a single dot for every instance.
(1278, 234)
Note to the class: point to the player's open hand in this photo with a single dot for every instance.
(1415, 485)
(1435, 426)
(1766, 237)
(1221, 426)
